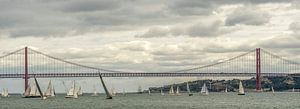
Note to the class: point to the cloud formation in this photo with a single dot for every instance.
(247, 15)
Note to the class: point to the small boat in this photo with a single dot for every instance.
(161, 92)
(4, 93)
(204, 90)
(293, 90)
(171, 91)
(149, 92)
(50, 90)
(188, 89)
(95, 92)
(177, 91)
(241, 89)
(226, 90)
(72, 92)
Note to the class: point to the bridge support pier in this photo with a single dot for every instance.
(26, 68)
(258, 71)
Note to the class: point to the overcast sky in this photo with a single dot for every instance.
(150, 35)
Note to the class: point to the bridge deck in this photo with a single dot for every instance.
(62, 75)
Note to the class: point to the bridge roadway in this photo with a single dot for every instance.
(67, 75)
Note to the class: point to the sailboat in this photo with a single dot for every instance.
(149, 92)
(188, 89)
(72, 92)
(31, 92)
(272, 90)
(79, 92)
(241, 89)
(4, 93)
(204, 90)
(95, 92)
(34, 91)
(50, 90)
(161, 92)
(108, 96)
(171, 91)
(226, 90)
(293, 90)
(113, 92)
(177, 91)
(124, 93)
(140, 89)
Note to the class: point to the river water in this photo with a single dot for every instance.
(156, 101)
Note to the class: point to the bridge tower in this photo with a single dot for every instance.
(258, 70)
(26, 67)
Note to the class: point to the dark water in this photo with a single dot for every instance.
(155, 101)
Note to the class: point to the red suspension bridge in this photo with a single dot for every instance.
(25, 63)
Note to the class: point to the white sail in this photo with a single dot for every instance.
(188, 88)
(204, 89)
(149, 92)
(52, 91)
(49, 89)
(161, 92)
(113, 92)
(293, 90)
(95, 92)
(178, 91)
(226, 90)
(71, 90)
(27, 91)
(272, 89)
(241, 89)
(34, 90)
(4, 93)
(171, 92)
(79, 92)
(140, 89)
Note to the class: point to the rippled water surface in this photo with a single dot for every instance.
(155, 101)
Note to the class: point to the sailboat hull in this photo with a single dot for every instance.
(69, 96)
(31, 97)
(241, 94)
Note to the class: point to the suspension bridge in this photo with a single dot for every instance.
(26, 62)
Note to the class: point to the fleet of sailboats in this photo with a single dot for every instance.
(33, 91)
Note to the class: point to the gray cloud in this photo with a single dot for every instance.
(56, 18)
(295, 28)
(247, 15)
(204, 28)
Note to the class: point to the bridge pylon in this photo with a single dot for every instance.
(258, 70)
(26, 67)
